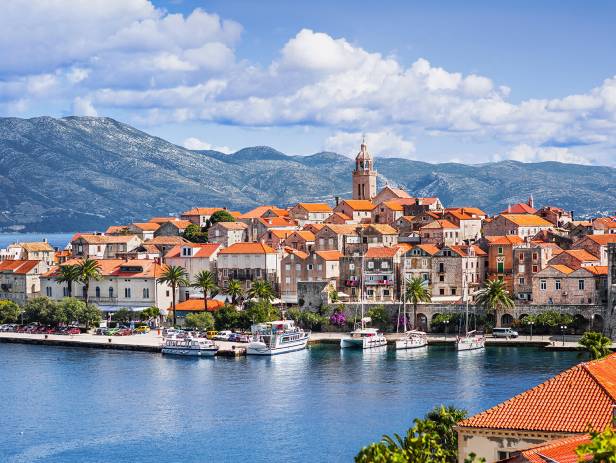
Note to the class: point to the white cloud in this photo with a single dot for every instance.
(527, 153)
(193, 143)
(83, 107)
(384, 144)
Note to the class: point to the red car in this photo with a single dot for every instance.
(73, 330)
(125, 332)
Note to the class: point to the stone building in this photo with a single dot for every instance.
(528, 260)
(20, 279)
(364, 175)
(381, 273)
(559, 284)
(304, 213)
(298, 266)
(92, 246)
(194, 258)
(523, 225)
(611, 291)
(440, 233)
(359, 210)
(388, 193)
(456, 272)
(596, 245)
(228, 233)
(500, 258)
(417, 262)
(247, 262)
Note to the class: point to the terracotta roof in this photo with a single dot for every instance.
(116, 229)
(117, 267)
(341, 229)
(36, 246)
(329, 255)
(162, 240)
(231, 225)
(203, 250)
(527, 220)
(19, 267)
(504, 239)
(568, 402)
(382, 252)
(162, 220)
(468, 210)
(304, 234)
(179, 224)
(259, 211)
(602, 239)
(359, 204)
(340, 215)
(382, 228)
(464, 250)
(248, 248)
(315, 207)
(397, 191)
(437, 224)
(301, 254)
(520, 208)
(271, 222)
(196, 305)
(604, 222)
(393, 205)
(429, 248)
(406, 218)
(105, 239)
(280, 234)
(202, 211)
(147, 226)
(558, 451)
(561, 268)
(597, 269)
(581, 254)
(313, 226)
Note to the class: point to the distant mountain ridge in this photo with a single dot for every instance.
(85, 173)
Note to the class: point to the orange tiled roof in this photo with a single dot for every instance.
(114, 267)
(602, 239)
(561, 268)
(464, 250)
(232, 225)
(468, 210)
(248, 248)
(382, 252)
(527, 220)
(178, 223)
(37, 246)
(382, 228)
(429, 248)
(520, 208)
(18, 267)
(280, 234)
(103, 239)
(313, 226)
(568, 402)
(305, 235)
(146, 226)
(315, 207)
(301, 254)
(397, 191)
(504, 239)
(116, 229)
(393, 205)
(260, 211)
(196, 305)
(342, 229)
(162, 240)
(560, 451)
(440, 223)
(161, 220)
(597, 269)
(359, 204)
(329, 255)
(203, 250)
(271, 222)
(202, 211)
(406, 218)
(581, 254)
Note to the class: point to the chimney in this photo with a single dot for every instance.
(571, 212)
(337, 198)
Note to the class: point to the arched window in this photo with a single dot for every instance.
(98, 292)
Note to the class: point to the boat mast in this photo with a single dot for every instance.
(467, 298)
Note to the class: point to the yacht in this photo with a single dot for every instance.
(412, 339)
(363, 337)
(472, 340)
(278, 337)
(198, 347)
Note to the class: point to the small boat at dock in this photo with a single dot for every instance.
(412, 339)
(363, 338)
(189, 346)
(278, 337)
(471, 341)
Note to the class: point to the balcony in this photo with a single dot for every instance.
(352, 283)
(379, 282)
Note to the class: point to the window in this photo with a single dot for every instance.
(351, 266)
(441, 278)
(521, 257)
(581, 285)
(320, 267)
(441, 291)
(127, 293)
(557, 284)
(384, 264)
(146, 293)
(453, 291)
(500, 267)
(287, 280)
(287, 267)
(298, 267)
(521, 280)
(371, 265)
(441, 267)
(309, 266)
(110, 293)
(98, 292)
(500, 250)
(543, 285)
(535, 269)
(535, 256)
(385, 292)
(65, 292)
(48, 291)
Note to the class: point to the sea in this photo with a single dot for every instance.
(57, 240)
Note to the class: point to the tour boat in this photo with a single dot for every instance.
(277, 337)
(364, 338)
(412, 339)
(472, 340)
(190, 346)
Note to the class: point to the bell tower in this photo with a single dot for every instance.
(364, 175)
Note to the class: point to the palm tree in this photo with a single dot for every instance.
(416, 291)
(207, 282)
(262, 290)
(493, 297)
(234, 289)
(174, 276)
(597, 345)
(87, 269)
(68, 274)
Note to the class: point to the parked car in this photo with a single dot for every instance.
(113, 331)
(223, 335)
(74, 330)
(211, 334)
(504, 333)
(242, 338)
(125, 332)
(142, 329)
(102, 331)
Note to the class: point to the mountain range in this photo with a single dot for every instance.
(85, 173)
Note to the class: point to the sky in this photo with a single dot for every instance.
(447, 81)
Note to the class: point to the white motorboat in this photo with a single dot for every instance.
(471, 341)
(189, 346)
(364, 338)
(412, 340)
(278, 337)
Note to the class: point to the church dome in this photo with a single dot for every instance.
(363, 154)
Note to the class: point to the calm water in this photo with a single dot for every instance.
(84, 405)
(58, 240)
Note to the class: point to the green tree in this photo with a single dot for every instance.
(195, 234)
(123, 315)
(378, 314)
(203, 321)
(44, 311)
(257, 312)
(150, 313)
(207, 282)
(220, 216)
(174, 276)
(234, 289)
(226, 318)
(494, 297)
(430, 440)
(72, 308)
(87, 270)
(261, 290)
(90, 315)
(597, 345)
(68, 274)
(416, 291)
(601, 449)
(307, 319)
(9, 312)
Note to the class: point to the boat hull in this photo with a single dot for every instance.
(370, 342)
(190, 352)
(470, 345)
(410, 344)
(260, 348)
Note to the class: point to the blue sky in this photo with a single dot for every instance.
(441, 81)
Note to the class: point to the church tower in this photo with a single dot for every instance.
(364, 175)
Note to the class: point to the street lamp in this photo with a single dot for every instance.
(446, 326)
(562, 329)
(531, 323)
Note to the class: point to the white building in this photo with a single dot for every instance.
(103, 246)
(248, 262)
(194, 258)
(19, 279)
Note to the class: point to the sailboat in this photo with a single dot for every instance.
(472, 339)
(363, 337)
(411, 339)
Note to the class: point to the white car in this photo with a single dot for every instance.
(504, 333)
(223, 335)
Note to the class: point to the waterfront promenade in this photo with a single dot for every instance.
(151, 342)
